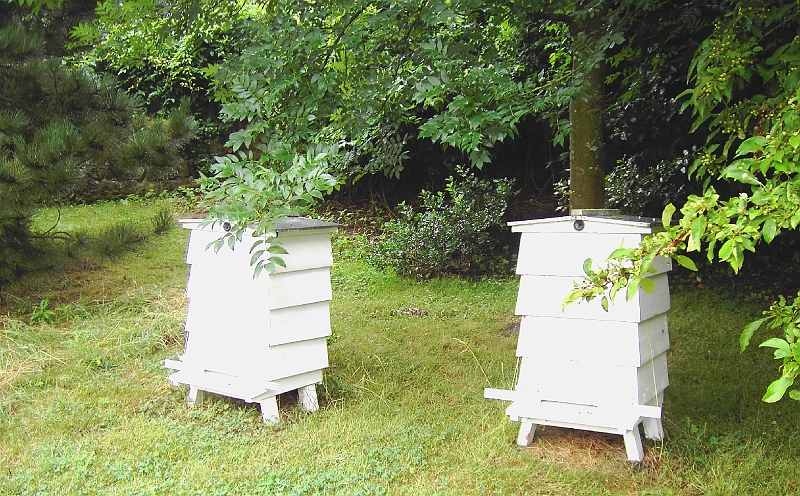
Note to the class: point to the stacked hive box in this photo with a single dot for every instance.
(583, 367)
(254, 338)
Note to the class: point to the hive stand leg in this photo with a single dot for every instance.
(196, 396)
(653, 428)
(307, 395)
(633, 444)
(526, 431)
(269, 411)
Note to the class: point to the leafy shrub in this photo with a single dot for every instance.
(459, 231)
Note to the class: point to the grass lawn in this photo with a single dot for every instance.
(85, 407)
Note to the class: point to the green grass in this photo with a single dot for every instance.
(85, 407)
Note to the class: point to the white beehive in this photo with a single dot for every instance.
(583, 367)
(254, 338)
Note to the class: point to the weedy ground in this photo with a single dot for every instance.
(85, 406)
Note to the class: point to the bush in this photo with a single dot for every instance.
(459, 231)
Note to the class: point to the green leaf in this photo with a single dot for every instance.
(751, 145)
(571, 298)
(254, 258)
(698, 230)
(647, 284)
(604, 302)
(587, 267)
(259, 268)
(726, 250)
(739, 173)
(278, 261)
(633, 287)
(777, 389)
(782, 347)
(747, 333)
(256, 244)
(685, 261)
(769, 229)
(621, 253)
(217, 244)
(775, 343)
(666, 215)
(277, 249)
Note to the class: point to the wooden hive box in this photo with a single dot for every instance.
(254, 338)
(583, 367)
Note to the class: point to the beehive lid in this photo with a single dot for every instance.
(586, 222)
(302, 224)
(286, 224)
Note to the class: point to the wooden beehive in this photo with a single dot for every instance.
(583, 367)
(254, 338)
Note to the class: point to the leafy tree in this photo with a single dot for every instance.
(745, 79)
(462, 74)
(357, 78)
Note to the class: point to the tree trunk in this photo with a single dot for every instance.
(586, 144)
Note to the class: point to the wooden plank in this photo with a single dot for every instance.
(300, 323)
(223, 316)
(560, 380)
(499, 394)
(196, 251)
(574, 382)
(221, 330)
(225, 340)
(294, 358)
(295, 382)
(594, 341)
(653, 379)
(563, 254)
(236, 342)
(173, 364)
(291, 289)
(307, 250)
(573, 416)
(212, 382)
(247, 389)
(227, 284)
(543, 296)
